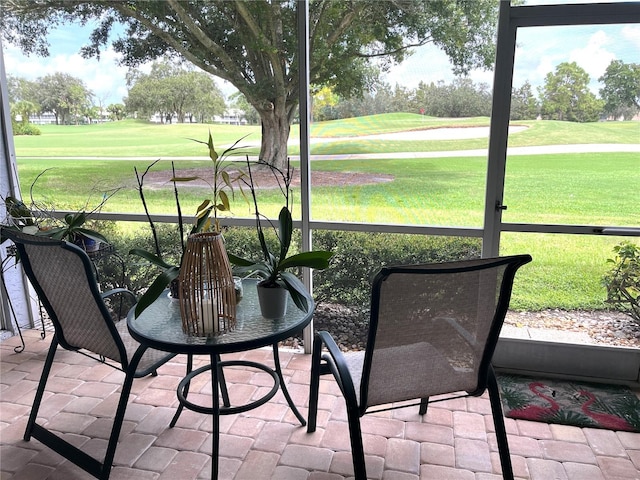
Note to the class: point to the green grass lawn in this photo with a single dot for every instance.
(570, 188)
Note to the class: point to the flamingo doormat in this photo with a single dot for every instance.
(579, 404)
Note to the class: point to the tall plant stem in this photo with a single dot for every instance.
(175, 193)
(140, 180)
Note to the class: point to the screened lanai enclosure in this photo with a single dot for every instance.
(378, 166)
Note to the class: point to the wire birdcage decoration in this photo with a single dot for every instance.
(207, 290)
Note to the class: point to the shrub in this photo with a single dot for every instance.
(358, 256)
(20, 128)
(138, 274)
(623, 281)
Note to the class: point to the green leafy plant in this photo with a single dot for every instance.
(74, 230)
(623, 281)
(38, 218)
(220, 182)
(221, 179)
(168, 272)
(273, 268)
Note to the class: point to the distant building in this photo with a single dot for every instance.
(231, 116)
(44, 118)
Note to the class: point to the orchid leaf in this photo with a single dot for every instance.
(241, 262)
(286, 230)
(155, 290)
(93, 235)
(318, 259)
(296, 288)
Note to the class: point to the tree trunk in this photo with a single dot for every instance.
(275, 134)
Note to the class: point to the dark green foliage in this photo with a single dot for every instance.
(513, 397)
(623, 281)
(568, 417)
(621, 92)
(358, 256)
(138, 274)
(566, 95)
(20, 128)
(629, 407)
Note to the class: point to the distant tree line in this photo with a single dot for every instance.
(565, 95)
(66, 97)
(170, 90)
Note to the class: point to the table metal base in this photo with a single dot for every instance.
(219, 388)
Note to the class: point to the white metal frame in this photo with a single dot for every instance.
(511, 18)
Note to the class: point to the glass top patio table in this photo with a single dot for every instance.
(160, 326)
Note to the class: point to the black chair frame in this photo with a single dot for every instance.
(333, 362)
(97, 468)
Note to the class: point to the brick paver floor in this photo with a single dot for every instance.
(454, 441)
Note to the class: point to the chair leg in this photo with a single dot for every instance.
(424, 403)
(498, 421)
(357, 447)
(66, 449)
(314, 386)
(120, 411)
(40, 391)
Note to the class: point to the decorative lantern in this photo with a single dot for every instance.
(207, 292)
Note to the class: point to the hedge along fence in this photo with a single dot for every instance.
(358, 256)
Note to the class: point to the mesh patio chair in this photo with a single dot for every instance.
(62, 275)
(432, 332)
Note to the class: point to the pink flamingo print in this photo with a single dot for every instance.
(535, 412)
(603, 419)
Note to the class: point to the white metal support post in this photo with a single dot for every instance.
(14, 279)
(305, 167)
(499, 131)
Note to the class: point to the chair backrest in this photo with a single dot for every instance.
(434, 328)
(63, 277)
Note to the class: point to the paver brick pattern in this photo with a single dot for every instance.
(455, 440)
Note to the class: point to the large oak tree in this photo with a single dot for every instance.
(253, 44)
(621, 91)
(566, 95)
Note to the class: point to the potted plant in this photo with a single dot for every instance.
(75, 231)
(220, 182)
(274, 267)
(37, 219)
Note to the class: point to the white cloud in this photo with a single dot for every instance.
(594, 57)
(631, 36)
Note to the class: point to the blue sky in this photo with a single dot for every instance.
(539, 51)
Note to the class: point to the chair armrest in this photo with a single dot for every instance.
(116, 291)
(338, 366)
(117, 313)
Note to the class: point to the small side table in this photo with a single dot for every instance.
(160, 327)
